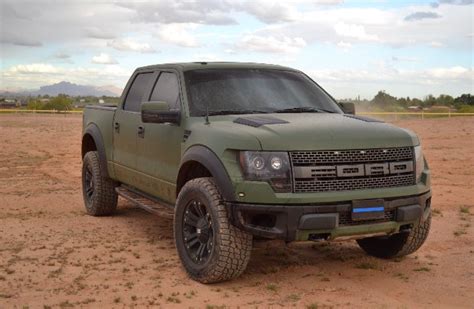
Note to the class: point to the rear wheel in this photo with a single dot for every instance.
(98, 190)
(397, 245)
(211, 249)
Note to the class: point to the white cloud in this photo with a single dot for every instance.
(345, 46)
(39, 74)
(34, 68)
(210, 12)
(127, 44)
(270, 44)
(377, 25)
(104, 59)
(269, 11)
(178, 34)
(436, 44)
(354, 31)
(405, 59)
(100, 33)
(345, 83)
(452, 73)
(327, 2)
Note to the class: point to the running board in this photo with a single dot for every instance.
(145, 203)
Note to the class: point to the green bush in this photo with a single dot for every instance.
(59, 103)
(466, 109)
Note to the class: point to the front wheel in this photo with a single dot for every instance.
(397, 245)
(211, 249)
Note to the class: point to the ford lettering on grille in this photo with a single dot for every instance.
(352, 169)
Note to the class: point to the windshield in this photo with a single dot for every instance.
(242, 91)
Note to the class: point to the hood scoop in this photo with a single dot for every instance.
(366, 119)
(258, 121)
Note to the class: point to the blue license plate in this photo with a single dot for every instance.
(368, 209)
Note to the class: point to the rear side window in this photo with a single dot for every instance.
(137, 92)
(167, 90)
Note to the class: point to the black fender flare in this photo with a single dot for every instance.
(94, 131)
(213, 164)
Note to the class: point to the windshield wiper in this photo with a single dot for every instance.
(236, 112)
(303, 110)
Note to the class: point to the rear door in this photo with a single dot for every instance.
(160, 145)
(126, 126)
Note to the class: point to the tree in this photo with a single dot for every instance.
(383, 100)
(464, 99)
(59, 103)
(429, 101)
(445, 100)
(34, 104)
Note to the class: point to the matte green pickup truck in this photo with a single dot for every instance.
(233, 151)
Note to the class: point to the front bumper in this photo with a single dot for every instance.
(326, 220)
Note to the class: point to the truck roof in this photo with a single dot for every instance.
(187, 66)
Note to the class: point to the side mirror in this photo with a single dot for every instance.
(159, 112)
(347, 107)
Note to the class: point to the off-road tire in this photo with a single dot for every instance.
(231, 246)
(103, 200)
(397, 245)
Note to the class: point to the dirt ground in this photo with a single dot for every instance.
(54, 255)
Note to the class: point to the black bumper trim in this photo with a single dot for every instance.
(288, 219)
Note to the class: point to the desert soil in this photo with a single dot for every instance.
(54, 255)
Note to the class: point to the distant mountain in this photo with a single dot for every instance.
(71, 90)
(75, 90)
(112, 89)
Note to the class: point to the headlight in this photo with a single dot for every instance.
(420, 163)
(272, 167)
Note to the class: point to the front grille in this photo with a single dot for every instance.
(350, 156)
(341, 170)
(345, 219)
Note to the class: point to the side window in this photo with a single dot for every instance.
(137, 92)
(167, 89)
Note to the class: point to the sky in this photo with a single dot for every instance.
(351, 48)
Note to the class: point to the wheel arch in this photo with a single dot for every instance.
(92, 141)
(200, 161)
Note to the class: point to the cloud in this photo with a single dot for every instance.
(328, 2)
(210, 12)
(269, 11)
(456, 2)
(414, 83)
(404, 59)
(34, 68)
(97, 33)
(178, 34)
(127, 44)
(436, 44)
(344, 45)
(375, 25)
(217, 12)
(422, 15)
(354, 31)
(104, 59)
(40, 74)
(62, 55)
(270, 44)
(451, 73)
(8, 38)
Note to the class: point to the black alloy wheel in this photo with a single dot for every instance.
(197, 232)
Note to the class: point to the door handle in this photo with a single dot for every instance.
(141, 131)
(117, 127)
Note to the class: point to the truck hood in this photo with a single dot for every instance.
(321, 131)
